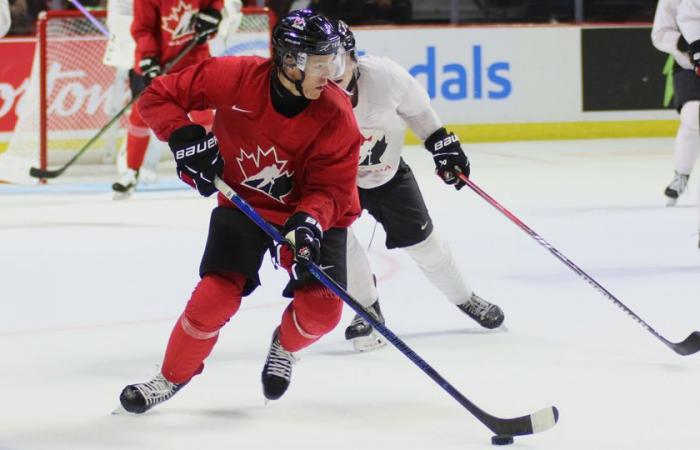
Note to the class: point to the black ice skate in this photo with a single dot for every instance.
(676, 188)
(363, 336)
(123, 188)
(486, 314)
(277, 372)
(139, 398)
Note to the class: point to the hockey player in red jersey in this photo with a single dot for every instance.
(286, 140)
(161, 30)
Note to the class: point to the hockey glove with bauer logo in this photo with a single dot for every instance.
(304, 234)
(207, 24)
(449, 158)
(197, 157)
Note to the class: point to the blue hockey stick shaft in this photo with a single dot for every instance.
(90, 17)
(533, 423)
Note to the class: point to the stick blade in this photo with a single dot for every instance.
(689, 345)
(536, 422)
(41, 173)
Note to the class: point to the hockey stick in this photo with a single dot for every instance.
(48, 173)
(95, 22)
(536, 422)
(688, 346)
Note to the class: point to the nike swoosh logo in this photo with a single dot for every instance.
(236, 108)
(425, 225)
(326, 267)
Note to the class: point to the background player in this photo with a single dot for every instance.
(385, 98)
(688, 19)
(161, 29)
(5, 18)
(666, 36)
(289, 144)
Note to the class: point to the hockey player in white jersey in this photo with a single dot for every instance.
(385, 99)
(5, 18)
(688, 19)
(666, 36)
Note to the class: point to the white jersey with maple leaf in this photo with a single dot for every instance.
(389, 100)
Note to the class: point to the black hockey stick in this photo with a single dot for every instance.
(536, 422)
(688, 346)
(48, 173)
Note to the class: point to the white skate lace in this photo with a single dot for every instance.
(478, 307)
(358, 320)
(679, 183)
(280, 361)
(157, 390)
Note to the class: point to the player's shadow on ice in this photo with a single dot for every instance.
(422, 335)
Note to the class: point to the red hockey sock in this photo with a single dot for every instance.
(214, 301)
(315, 311)
(137, 139)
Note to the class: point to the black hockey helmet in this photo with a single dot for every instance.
(346, 37)
(303, 32)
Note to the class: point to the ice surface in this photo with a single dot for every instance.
(90, 289)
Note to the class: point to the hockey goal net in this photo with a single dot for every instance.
(71, 94)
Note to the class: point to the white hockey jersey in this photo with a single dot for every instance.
(688, 19)
(389, 99)
(665, 32)
(5, 18)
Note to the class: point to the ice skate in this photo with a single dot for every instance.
(277, 372)
(486, 314)
(363, 336)
(123, 188)
(139, 398)
(676, 188)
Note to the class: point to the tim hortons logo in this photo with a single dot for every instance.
(264, 172)
(180, 23)
(70, 93)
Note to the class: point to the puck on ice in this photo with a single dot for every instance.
(500, 439)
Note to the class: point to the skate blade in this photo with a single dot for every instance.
(121, 195)
(368, 343)
(671, 202)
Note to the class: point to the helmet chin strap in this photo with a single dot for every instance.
(297, 83)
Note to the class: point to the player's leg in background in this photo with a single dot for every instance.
(399, 206)
(137, 139)
(314, 311)
(686, 86)
(686, 149)
(362, 287)
(229, 270)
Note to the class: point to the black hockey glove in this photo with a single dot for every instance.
(207, 24)
(137, 83)
(197, 157)
(304, 234)
(150, 67)
(449, 158)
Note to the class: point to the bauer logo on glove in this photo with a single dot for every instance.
(199, 147)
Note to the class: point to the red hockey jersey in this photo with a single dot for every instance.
(279, 165)
(164, 27)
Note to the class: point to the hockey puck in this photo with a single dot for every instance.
(501, 439)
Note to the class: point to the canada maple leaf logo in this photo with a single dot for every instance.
(264, 172)
(372, 148)
(180, 22)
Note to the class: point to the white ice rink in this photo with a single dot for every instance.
(90, 289)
